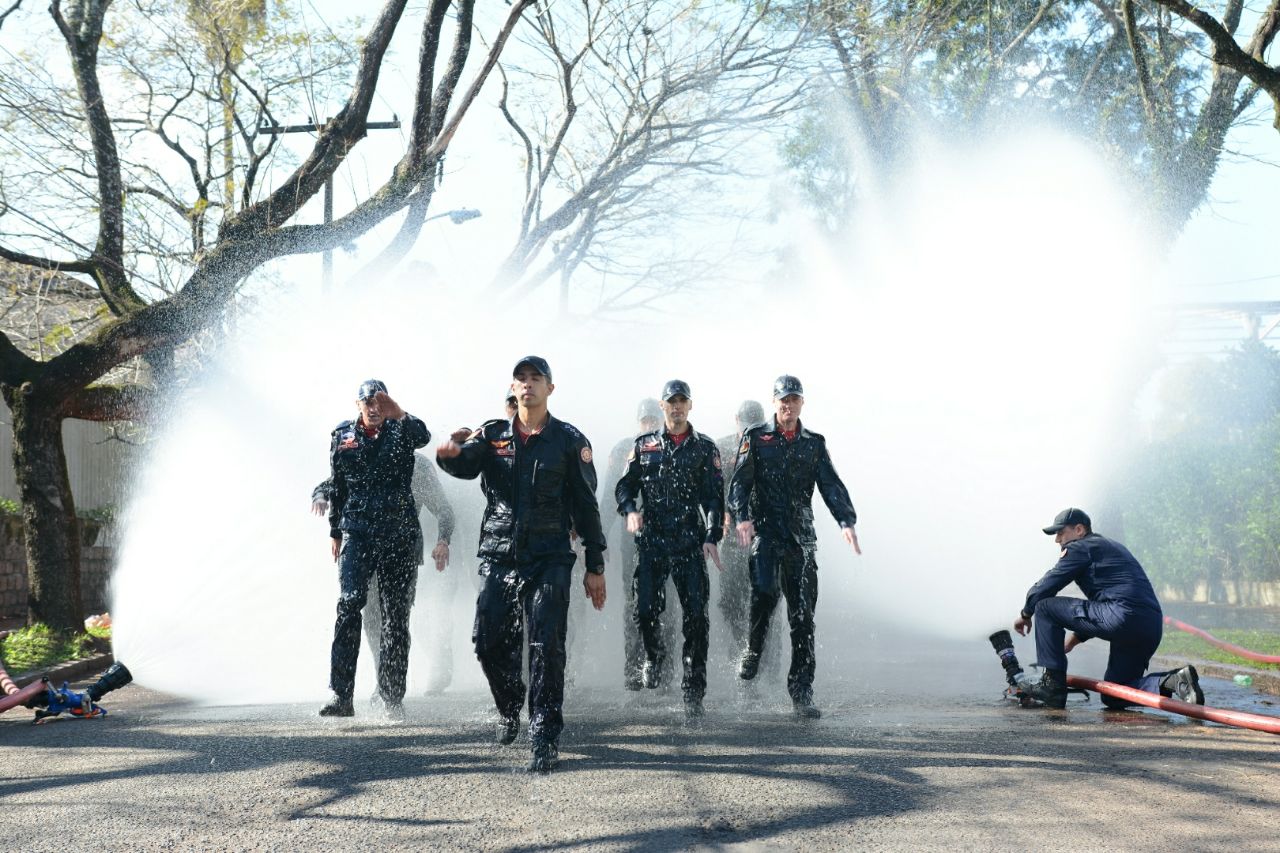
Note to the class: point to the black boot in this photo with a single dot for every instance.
(508, 728)
(1050, 690)
(749, 666)
(545, 757)
(804, 707)
(633, 680)
(339, 706)
(1183, 683)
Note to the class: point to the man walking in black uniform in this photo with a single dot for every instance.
(427, 494)
(373, 523)
(539, 481)
(648, 419)
(1122, 609)
(771, 498)
(673, 500)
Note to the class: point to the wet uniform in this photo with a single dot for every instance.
(676, 482)
(372, 510)
(772, 486)
(537, 489)
(428, 494)
(1121, 607)
(633, 646)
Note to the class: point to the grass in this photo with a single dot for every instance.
(39, 647)
(1181, 644)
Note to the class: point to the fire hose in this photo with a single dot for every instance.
(1003, 645)
(1238, 651)
(50, 701)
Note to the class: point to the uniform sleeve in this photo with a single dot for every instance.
(728, 458)
(324, 491)
(744, 478)
(428, 493)
(713, 496)
(337, 491)
(627, 492)
(467, 464)
(582, 504)
(1074, 560)
(834, 494)
(414, 431)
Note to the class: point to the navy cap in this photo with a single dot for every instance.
(786, 385)
(676, 388)
(648, 410)
(1068, 518)
(750, 412)
(369, 387)
(510, 396)
(537, 362)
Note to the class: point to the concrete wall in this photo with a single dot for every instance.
(95, 573)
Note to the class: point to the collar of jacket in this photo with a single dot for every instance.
(801, 432)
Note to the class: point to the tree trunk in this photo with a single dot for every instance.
(49, 522)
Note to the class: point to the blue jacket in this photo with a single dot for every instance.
(371, 478)
(679, 486)
(536, 492)
(1103, 569)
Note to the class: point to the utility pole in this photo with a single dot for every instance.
(326, 274)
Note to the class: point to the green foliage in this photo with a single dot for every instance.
(10, 507)
(102, 514)
(39, 646)
(1178, 644)
(1202, 500)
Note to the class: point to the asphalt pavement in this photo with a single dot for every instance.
(916, 751)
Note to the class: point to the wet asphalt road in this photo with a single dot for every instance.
(912, 754)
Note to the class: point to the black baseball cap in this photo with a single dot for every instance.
(676, 388)
(648, 410)
(510, 396)
(369, 388)
(537, 362)
(750, 412)
(1068, 518)
(786, 385)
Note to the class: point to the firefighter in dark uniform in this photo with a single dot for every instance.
(771, 499)
(1121, 608)
(428, 494)
(672, 496)
(537, 475)
(373, 523)
(648, 419)
(735, 581)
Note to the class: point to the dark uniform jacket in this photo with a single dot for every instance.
(427, 493)
(536, 492)
(1103, 569)
(774, 480)
(371, 478)
(680, 487)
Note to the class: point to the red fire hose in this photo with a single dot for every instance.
(12, 696)
(1238, 651)
(1257, 722)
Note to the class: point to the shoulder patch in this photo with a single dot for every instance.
(571, 429)
(585, 453)
(342, 427)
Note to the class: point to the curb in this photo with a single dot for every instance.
(68, 671)
(1264, 680)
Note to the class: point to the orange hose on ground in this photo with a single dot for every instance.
(1239, 651)
(1242, 719)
